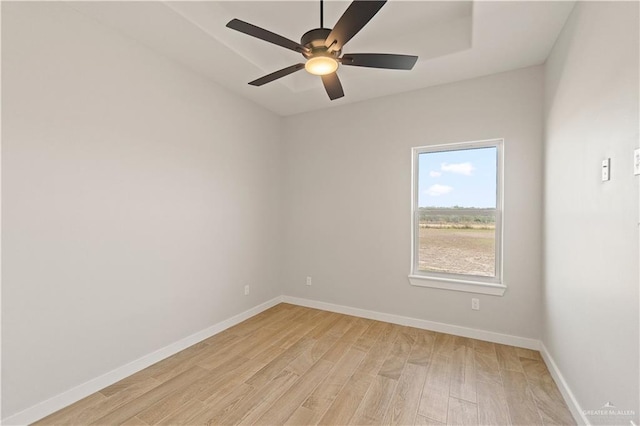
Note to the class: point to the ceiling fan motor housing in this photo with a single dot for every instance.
(314, 41)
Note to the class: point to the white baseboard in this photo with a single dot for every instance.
(66, 398)
(474, 333)
(75, 394)
(563, 386)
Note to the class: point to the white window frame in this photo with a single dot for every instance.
(450, 281)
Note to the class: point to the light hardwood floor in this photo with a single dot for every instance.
(301, 366)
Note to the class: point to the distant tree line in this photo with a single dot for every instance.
(457, 215)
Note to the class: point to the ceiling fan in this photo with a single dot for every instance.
(322, 47)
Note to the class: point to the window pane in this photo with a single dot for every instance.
(457, 211)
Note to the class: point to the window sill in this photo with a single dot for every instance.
(458, 285)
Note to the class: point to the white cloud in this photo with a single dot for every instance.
(437, 190)
(460, 168)
(433, 173)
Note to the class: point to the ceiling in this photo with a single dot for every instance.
(455, 40)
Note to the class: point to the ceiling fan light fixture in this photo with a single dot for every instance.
(321, 65)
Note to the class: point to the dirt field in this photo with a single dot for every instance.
(458, 251)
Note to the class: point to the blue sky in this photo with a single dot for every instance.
(466, 178)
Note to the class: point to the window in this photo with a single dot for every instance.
(457, 217)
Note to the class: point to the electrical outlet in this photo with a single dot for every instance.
(308, 280)
(636, 162)
(246, 290)
(475, 304)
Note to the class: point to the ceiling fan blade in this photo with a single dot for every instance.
(379, 60)
(332, 86)
(276, 75)
(352, 20)
(262, 34)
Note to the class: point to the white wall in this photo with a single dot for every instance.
(591, 227)
(348, 199)
(138, 199)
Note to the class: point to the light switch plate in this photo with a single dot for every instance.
(605, 169)
(636, 162)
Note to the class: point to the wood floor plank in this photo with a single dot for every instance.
(269, 337)
(218, 395)
(104, 406)
(463, 374)
(459, 341)
(346, 340)
(326, 325)
(369, 337)
(397, 357)
(323, 325)
(135, 421)
(346, 403)
(406, 398)
(323, 344)
(178, 363)
(127, 382)
(132, 408)
(296, 331)
(180, 416)
(290, 335)
(522, 408)
(462, 412)
(220, 355)
(271, 370)
(550, 404)
(174, 401)
(493, 409)
(228, 379)
(378, 352)
(535, 370)
(326, 392)
(263, 358)
(312, 354)
(374, 405)
(301, 417)
(299, 317)
(434, 401)
(487, 369)
(482, 347)
(422, 348)
(389, 333)
(277, 320)
(284, 407)
(424, 421)
(528, 353)
(444, 344)
(343, 324)
(217, 408)
(508, 358)
(255, 404)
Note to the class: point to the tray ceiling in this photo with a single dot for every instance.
(455, 40)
